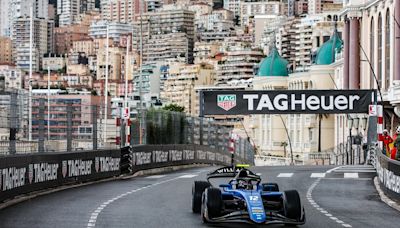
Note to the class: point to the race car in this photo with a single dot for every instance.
(245, 200)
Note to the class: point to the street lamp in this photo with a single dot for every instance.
(350, 146)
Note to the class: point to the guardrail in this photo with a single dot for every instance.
(24, 174)
(388, 171)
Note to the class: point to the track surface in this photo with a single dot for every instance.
(164, 201)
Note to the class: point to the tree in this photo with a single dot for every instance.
(174, 108)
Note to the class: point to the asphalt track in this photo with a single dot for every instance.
(164, 201)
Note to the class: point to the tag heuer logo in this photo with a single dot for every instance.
(226, 102)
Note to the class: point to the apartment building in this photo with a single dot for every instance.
(183, 78)
(21, 42)
(82, 110)
(6, 53)
(163, 24)
(249, 9)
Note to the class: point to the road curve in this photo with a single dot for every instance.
(164, 201)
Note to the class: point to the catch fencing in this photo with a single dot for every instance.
(63, 123)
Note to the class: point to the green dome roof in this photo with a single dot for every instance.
(326, 53)
(273, 65)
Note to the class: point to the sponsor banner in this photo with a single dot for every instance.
(286, 102)
(388, 172)
(39, 171)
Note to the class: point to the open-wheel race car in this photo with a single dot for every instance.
(245, 200)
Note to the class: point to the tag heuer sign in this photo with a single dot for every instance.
(226, 102)
(245, 102)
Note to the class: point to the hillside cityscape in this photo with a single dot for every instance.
(121, 58)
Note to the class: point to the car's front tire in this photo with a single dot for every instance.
(197, 192)
(212, 202)
(292, 205)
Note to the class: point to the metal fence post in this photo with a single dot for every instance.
(131, 133)
(122, 132)
(201, 131)
(208, 132)
(94, 128)
(69, 127)
(192, 130)
(41, 130)
(13, 123)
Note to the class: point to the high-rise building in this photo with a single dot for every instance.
(238, 62)
(69, 10)
(4, 20)
(21, 41)
(124, 11)
(163, 24)
(21, 8)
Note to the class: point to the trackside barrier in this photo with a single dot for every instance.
(388, 171)
(144, 157)
(23, 174)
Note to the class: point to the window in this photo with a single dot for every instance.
(371, 52)
(387, 50)
(380, 51)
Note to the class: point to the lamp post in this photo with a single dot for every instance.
(290, 141)
(350, 144)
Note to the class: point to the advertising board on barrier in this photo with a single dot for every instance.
(39, 171)
(285, 102)
(389, 175)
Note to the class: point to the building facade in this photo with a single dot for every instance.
(6, 52)
(165, 22)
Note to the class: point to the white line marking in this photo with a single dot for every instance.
(350, 175)
(94, 214)
(331, 170)
(285, 175)
(317, 175)
(188, 176)
(155, 176)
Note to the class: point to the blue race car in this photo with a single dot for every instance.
(245, 200)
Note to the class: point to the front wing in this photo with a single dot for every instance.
(243, 217)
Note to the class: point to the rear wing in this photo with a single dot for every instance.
(230, 171)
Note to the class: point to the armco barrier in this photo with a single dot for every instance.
(158, 156)
(22, 174)
(27, 173)
(389, 176)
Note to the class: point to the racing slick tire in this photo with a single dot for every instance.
(292, 205)
(270, 187)
(212, 201)
(197, 192)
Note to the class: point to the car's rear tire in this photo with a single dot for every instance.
(213, 202)
(270, 187)
(197, 191)
(292, 205)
